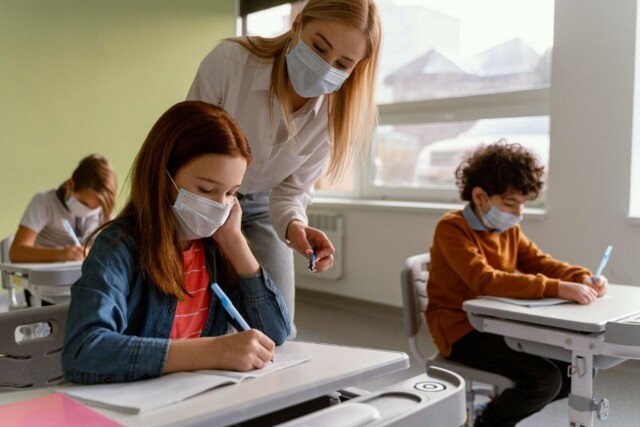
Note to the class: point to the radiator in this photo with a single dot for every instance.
(331, 225)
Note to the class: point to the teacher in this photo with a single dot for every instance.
(305, 100)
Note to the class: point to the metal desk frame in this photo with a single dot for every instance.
(600, 335)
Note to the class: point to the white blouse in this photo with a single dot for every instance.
(238, 81)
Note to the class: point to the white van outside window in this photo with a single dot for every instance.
(437, 162)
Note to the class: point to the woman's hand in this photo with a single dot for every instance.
(577, 292)
(305, 239)
(601, 285)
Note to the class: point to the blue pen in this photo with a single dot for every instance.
(603, 262)
(312, 261)
(71, 232)
(228, 305)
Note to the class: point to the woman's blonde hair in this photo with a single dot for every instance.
(352, 110)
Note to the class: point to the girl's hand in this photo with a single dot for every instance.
(230, 231)
(305, 239)
(72, 253)
(577, 292)
(601, 286)
(243, 351)
(234, 245)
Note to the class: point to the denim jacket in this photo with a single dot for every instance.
(119, 322)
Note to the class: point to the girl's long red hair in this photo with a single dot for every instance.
(187, 130)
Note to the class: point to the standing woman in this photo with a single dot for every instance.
(304, 99)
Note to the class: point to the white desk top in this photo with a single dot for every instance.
(50, 280)
(26, 267)
(331, 368)
(620, 302)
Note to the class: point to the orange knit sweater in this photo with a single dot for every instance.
(466, 263)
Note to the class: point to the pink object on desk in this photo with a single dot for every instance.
(52, 410)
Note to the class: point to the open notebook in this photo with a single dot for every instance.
(139, 396)
(529, 302)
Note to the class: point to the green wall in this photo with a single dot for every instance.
(91, 76)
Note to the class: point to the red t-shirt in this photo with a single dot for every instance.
(191, 314)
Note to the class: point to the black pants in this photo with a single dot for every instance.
(539, 381)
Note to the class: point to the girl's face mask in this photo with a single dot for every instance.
(79, 209)
(198, 217)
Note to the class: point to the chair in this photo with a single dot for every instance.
(5, 246)
(414, 298)
(32, 363)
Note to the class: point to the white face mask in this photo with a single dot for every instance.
(310, 75)
(79, 209)
(198, 217)
(498, 220)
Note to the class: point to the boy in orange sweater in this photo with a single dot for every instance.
(481, 250)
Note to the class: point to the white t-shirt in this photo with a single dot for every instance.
(45, 214)
(236, 80)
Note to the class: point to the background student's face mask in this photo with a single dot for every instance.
(310, 75)
(498, 220)
(198, 217)
(79, 209)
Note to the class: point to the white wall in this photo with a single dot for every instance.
(589, 173)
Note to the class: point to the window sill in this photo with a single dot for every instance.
(333, 203)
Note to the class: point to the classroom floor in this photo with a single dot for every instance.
(323, 318)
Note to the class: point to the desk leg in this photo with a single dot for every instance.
(581, 402)
(36, 299)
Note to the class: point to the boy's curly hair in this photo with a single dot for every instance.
(498, 168)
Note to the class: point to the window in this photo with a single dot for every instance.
(267, 18)
(467, 73)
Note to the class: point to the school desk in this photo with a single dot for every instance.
(598, 335)
(48, 281)
(331, 368)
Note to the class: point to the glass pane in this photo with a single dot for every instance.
(453, 48)
(427, 155)
(272, 22)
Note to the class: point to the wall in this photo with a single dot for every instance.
(589, 173)
(79, 76)
(83, 76)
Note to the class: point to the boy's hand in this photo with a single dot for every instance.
(577, 292)
(601, 286)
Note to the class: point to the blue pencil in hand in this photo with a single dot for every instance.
(72, 233)
(228, 305)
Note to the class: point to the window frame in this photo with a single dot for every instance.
(524, 103)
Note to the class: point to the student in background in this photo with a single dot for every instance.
(86, 201)
(481, 250)
(305, 99)
(144, 305)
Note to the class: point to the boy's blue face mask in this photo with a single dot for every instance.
(310, 75)
(498, 220)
